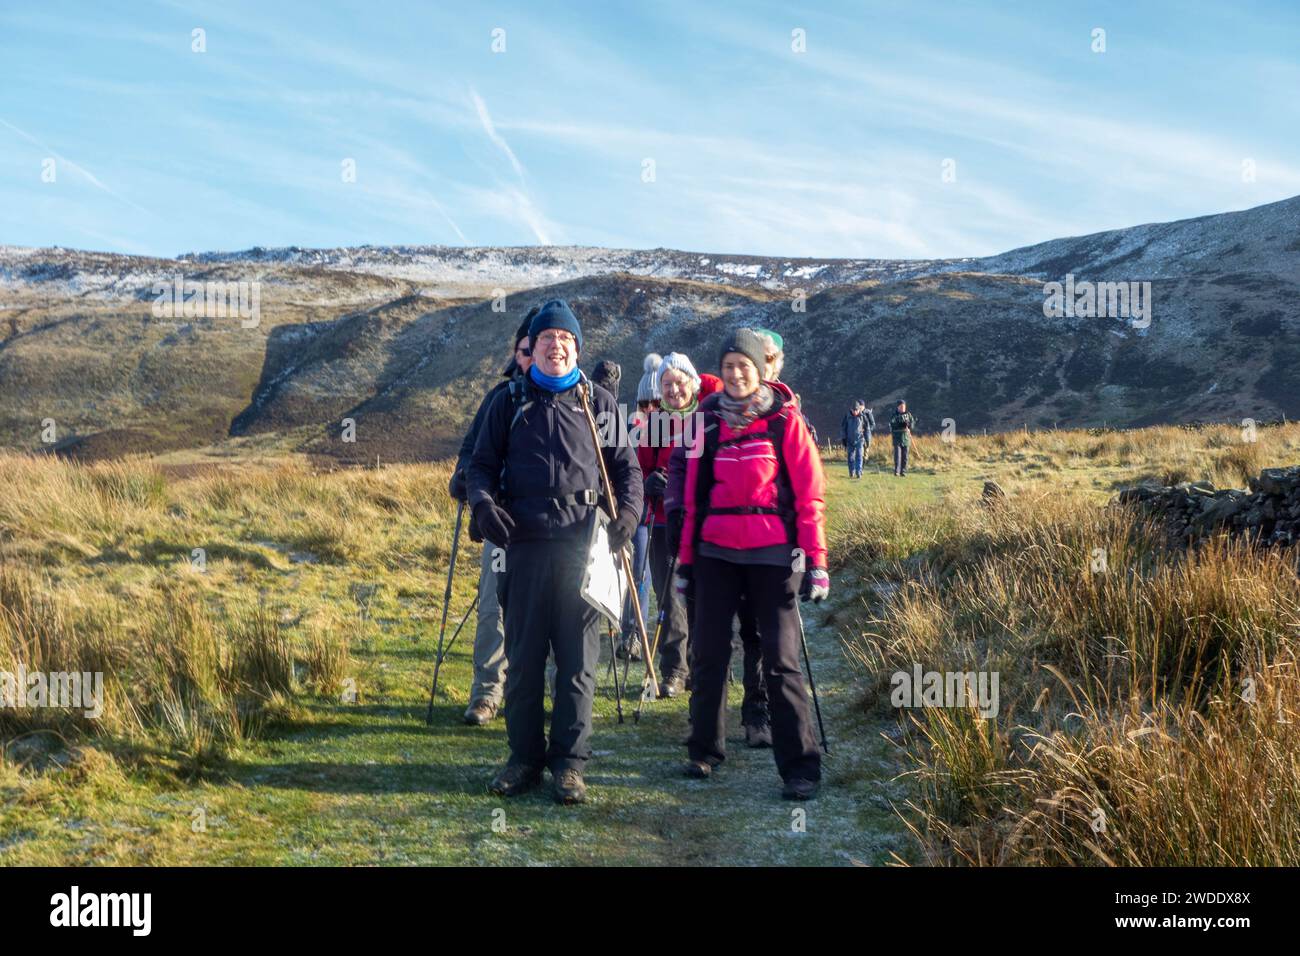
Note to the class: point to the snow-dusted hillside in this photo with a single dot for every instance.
(403, 339)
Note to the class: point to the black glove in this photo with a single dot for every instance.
(474, 534)
(494, 522)
(676, 519)
(621, 529)
(656, 483)
(457, 488)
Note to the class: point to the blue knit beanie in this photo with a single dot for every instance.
(555, 314)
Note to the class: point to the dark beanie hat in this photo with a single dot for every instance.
(608, 375)
(555, 314)
(521, 333)
(749, 344)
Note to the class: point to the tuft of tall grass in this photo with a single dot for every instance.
(174, 671)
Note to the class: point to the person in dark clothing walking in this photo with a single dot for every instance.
(900, 429)
(856, 427)
(754, 521)
(489, 634)
(535, 484)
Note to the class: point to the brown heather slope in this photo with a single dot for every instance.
(405, 340)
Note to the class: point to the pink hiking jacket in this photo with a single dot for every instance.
(745, 476)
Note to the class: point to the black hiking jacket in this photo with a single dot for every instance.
(532, 455)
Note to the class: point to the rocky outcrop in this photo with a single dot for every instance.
(1269, 512)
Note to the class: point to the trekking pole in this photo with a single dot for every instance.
(659, 629)
(583, 391)
(812, 683)
(649, 563)
(613, 666)
(428, 716)
(455, 634)
(663, 605)
(446, 604)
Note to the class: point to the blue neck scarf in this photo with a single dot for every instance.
(554, 383)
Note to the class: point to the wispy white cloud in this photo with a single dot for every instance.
(485, 118)
(516, 202)
(77, 168)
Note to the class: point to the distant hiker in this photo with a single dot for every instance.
(754, 494)
(489, 636)
(608, 375)
(647, 403)
(856, 428)
(679, 386)
(900, 429)
(534, 484)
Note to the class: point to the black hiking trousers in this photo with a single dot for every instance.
(674, 637)
(772, 593)
(753, 707)
(544, 611)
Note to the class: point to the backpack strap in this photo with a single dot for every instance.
(519, 400)
(704, 476)
(520, 403)
(704, 480)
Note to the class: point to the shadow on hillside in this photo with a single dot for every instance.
(413, 382)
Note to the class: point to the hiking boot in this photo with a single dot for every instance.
(629, 650)
(568, 786)
(758, 735)
(797, 788)
(698, 769)
(515, 779)
(480, 712)
(674, 685)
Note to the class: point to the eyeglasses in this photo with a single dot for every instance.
(525, 351)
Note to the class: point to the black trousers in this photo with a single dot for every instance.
(674, 636)
(753, 707)
(544, 612)
(772, 593)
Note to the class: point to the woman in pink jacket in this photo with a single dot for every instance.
(753, 527)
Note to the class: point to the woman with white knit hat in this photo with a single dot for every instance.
(647, 402)
(678, 385)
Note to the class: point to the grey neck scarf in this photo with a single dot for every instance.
(739, 413)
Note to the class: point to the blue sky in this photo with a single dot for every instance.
(836, 151)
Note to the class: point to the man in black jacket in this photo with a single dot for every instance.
(489, 636)
(534, 484)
